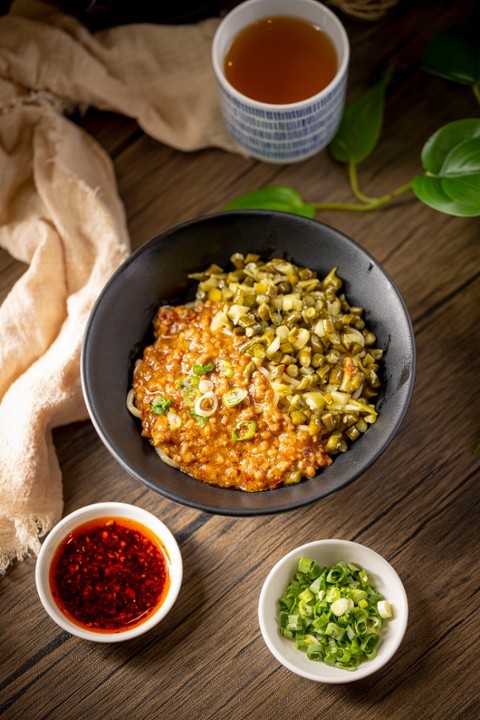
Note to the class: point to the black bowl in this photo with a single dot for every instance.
(157, 273)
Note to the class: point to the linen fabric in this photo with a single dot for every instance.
(61, 215)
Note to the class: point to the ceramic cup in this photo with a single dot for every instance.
(281, 133)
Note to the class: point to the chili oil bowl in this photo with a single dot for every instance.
(120, 327)
(131, 549)
(327, 553)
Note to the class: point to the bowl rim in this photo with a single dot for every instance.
(107, 509)
(230, 503)
(320, 672)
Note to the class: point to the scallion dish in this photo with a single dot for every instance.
(333, 613)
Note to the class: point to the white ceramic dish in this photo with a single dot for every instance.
(100, 510)
(328, 552)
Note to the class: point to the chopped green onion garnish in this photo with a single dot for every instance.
(190, 396)
(203, 369)
(201, 419)
(234, 397)
(384, 609)
(160, 405)
(174, 420)
(206, 404)
(341, 606)
(333, 613)
(205, 386)
(189, 381)
(244, 430)
(310, 567)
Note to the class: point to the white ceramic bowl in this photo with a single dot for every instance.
(327, 553)
(83, 515)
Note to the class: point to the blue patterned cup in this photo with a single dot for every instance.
(290, 132)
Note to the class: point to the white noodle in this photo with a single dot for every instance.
(167, 460)
(131, 404)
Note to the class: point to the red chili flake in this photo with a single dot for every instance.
(109, 574)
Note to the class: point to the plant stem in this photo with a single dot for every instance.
(476, 91)
(353, 176)
(367, 206)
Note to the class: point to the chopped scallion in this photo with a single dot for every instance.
(205, 386)
(203, 369)
(189, 381)
(174, 420)
(160, 405)
(206, 404)
(384, 609)
(234, 397)
(201, 419)
(333, 613)
(309, 567)
(190, 396)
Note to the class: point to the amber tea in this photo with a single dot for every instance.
(281, 60)
(281, 68)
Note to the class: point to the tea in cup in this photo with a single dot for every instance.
(281, 71)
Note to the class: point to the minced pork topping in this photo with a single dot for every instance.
(249, 445)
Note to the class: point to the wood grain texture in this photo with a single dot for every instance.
(418, 505)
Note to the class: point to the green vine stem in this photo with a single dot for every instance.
(476, 91)
(353, 177)
(368, 204)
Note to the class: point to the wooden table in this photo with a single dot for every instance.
(417, 506)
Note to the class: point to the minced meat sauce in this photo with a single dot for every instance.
(217, 422)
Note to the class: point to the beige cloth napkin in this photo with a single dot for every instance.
(60, 213)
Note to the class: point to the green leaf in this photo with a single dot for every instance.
(451, 159)
(429, 191)
(445, 139)
(361, 124)
(465, 191)
(280, 197)
(454, 54)
(462, 173)
(463, 159)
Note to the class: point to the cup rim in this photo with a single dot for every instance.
(280, 107)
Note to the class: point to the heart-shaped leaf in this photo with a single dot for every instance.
(280, 197)
(440, 144)
(361, 124)
(429, 191)
(451, 158)
(454, 54)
